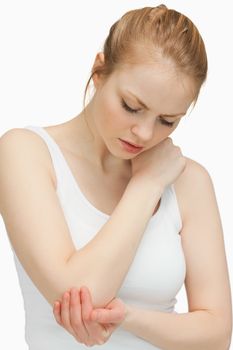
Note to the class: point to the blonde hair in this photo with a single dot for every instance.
(156, 32)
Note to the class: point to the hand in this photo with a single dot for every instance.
(161, 164)
(90, 326)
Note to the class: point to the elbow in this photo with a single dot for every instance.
(219, 335)
(224, 338)
(100, 291)
(101, 295)
(227, 335)
(226, 331)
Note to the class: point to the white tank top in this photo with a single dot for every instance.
(154, 278)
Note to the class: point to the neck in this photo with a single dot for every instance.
(93, 145)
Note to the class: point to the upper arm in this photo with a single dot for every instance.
(32, 213)
(207, 281)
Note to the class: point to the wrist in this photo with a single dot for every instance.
(128, 316)
(146, 185)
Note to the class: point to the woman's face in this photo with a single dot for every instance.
(119, 115)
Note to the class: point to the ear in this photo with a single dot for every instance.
(99, 61)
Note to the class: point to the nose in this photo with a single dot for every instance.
(144, 130)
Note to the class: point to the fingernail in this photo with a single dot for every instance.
(83, 289)
(105, 333)
(73, 291)
(66, 295)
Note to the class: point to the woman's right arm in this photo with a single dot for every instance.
(38, 231)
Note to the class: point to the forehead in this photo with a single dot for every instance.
(158, 85)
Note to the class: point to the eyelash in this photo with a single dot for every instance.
(130, 110)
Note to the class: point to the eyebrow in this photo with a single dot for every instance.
(145, 106)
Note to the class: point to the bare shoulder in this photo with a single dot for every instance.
(15, 133)
(23, 137)
(193, 179)
(20, 139)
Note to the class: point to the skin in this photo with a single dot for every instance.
(90, 326)
(158, 85)
(165, 92)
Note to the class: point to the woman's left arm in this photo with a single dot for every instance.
(208, 324)
(196, 330)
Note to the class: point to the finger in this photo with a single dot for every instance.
(93, 328)
(65, 312)
(106, 332)
(86, 301)
(76, 316)
(104, 336)
(110, 328)
(57, 311)
(97, 332)
(107, 316)
(118, 310)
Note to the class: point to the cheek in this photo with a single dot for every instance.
(161, 133)
(111, 114)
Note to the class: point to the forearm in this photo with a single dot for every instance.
(104, 262)
(197, 330)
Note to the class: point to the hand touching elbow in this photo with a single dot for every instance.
(89, 326)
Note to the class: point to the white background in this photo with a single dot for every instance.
(47, 49)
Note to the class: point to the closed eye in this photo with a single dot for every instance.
(131, 110)
(127, 108)
(165, 122)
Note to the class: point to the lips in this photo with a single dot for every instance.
(133, 144)
(129, 147)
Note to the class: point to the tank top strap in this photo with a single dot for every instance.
(61, 168)
(171, 207)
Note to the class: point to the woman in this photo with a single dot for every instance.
(131, 223)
